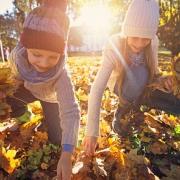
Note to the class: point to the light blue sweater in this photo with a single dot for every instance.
(132, 88)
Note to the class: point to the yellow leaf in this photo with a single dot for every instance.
(122, 159)
(44, 166)
(7, 161)
(5, 73)
(145, 139)
(35, 107)
(81, 95)
(114, 149)
(11, 154)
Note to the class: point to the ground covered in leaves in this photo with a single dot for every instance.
(148, 149)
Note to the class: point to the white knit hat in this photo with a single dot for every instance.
(141, 19)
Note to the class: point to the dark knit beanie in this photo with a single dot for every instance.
(46, 27)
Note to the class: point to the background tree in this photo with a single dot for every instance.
(169, 30)
(75, 37)
(8, 30)
(22, 7)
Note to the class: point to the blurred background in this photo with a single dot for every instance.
(92, 22)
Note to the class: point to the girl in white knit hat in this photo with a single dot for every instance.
(129, 65)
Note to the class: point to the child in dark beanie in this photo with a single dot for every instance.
(39, 62)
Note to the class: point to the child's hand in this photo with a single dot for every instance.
(89, 145)
(168, 84)
(64, 168)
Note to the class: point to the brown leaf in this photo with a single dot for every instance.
(137, 159)
(144, 173)
(5, 73)
(172, 174)
(158, 147)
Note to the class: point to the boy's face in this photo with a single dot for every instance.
(138, 44)
(42, 60)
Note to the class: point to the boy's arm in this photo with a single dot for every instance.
(69, 111)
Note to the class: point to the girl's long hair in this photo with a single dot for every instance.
(149, 60)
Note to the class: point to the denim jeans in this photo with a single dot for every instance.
(18, 103)
(156, 99)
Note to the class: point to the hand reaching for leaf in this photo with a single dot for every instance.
(89, 145)
(168, 83)
(163, 83)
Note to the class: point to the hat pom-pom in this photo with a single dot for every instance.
(62, 4)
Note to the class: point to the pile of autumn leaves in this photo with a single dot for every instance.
(24, 149)
(149, 148)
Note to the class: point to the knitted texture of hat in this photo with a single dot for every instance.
(46, 27)
(141, 19)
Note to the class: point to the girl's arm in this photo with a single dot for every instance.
(97, 89)
(110, 60)
(155, 44)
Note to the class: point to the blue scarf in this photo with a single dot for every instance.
(29, 73)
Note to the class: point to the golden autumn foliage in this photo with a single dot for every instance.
(8, 161)
(148, 149)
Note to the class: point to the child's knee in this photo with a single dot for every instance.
(54, 136)
(18, 108)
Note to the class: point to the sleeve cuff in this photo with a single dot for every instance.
(67, 148)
